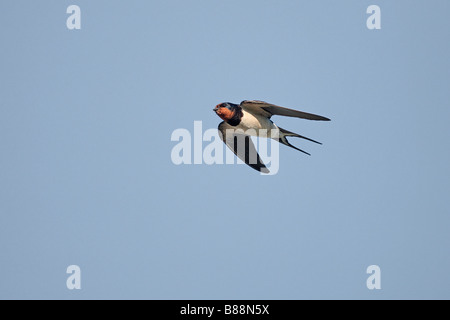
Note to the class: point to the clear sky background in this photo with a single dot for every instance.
(86, 176)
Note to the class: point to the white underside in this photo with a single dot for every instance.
(257, 125)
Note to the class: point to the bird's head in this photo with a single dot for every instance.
(226, 110)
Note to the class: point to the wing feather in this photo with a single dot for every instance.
(242, 146)
(268, 110)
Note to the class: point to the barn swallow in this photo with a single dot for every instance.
(253, 114)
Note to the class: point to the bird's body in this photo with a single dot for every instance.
(252, 118)
(256, 122)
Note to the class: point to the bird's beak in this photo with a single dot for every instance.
(215, 109)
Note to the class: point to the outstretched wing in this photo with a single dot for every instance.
(268, 110)
(242, 146)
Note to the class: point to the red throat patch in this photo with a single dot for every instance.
(225, 113)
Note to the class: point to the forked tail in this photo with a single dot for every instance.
(285, 133)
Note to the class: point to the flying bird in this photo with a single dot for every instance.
(248, 119)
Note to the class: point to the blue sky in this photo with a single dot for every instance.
(86, 176)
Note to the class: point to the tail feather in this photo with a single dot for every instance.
(293, 134)
(286, 133)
